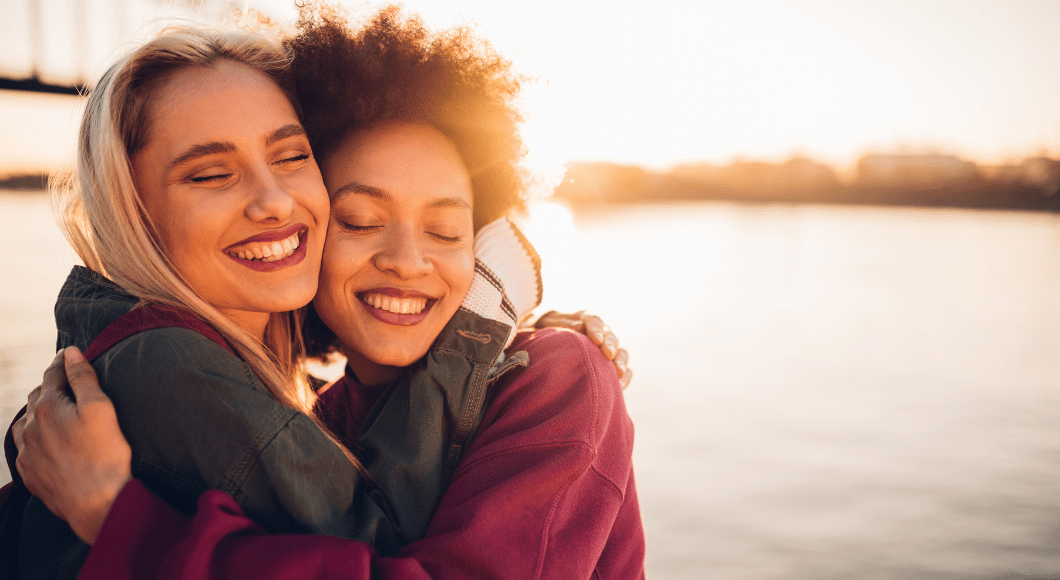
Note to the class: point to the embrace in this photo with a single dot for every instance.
(244, 204)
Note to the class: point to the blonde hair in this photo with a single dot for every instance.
(104, 219)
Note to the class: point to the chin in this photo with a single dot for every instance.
(397, 357)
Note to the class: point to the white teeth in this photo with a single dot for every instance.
(395, 305)
(269, 251)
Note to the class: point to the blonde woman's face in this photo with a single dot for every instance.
(233, 191)
(398, 260)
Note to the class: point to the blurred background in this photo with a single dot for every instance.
(827, 232)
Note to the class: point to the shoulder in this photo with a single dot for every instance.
(568, 386)
(195, 415)
(569, 360)
(172, 354)
(168, 383)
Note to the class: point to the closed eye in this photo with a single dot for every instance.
(357, 228)
(214, 178)
(294, 159)
(447, 239)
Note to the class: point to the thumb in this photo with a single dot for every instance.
(82, 377)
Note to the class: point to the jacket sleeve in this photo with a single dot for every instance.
(197, 418)
(545, 491)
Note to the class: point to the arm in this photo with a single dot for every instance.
(197, 418)
(540, 468)
(196, 424)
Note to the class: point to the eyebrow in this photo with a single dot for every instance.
(196, 151)
(292, 130)
(356, 188)
(213, 148)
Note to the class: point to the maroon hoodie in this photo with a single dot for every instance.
(545, 491)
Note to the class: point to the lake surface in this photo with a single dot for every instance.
(819, 392)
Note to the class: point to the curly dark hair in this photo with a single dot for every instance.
(393, 68)
(349, 78)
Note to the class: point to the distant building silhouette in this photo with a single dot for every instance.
(50, 51)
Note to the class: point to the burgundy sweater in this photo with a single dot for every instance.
(545, 491)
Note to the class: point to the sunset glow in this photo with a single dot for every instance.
(677, 81)
(673, 81)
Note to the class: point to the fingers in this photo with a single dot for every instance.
(594, 328)
(598, 332)
(55, 374)
(31, 400)
(610, 345)
(16, 433)
(553, 319)
(83, 381)
(621, 361)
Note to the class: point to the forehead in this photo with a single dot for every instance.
(411, 162)
(225, 101)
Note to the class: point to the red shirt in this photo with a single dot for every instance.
(545, 491)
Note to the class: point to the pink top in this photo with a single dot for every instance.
(545, 491)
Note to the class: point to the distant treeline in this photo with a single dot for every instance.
(911, 180)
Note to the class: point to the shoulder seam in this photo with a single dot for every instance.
(621, 493)
(594, 390)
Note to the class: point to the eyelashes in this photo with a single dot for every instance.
(209, 179)
(448, 239)
(294, 159)
(290, 162)
(368, 229)
(358, 229)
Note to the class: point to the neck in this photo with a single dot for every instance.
(252, 322)
(369, 373)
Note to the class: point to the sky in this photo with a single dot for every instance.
(665, 82)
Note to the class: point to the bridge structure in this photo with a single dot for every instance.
(59, 46)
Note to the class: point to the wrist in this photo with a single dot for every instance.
(92, 513)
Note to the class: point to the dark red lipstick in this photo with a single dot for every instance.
(296, 257)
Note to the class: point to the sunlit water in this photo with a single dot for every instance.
(820, 392)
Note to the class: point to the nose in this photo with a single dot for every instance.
(270, 201)
(402, 254)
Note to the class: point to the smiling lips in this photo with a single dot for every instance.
(271, 250)
(267, 251)
(395, 306)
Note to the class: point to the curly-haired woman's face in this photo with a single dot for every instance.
(398, 258)
(233, 191)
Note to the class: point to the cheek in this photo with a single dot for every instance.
(182, 232)
(462, 272)
(466, 262)
(340, 264)
(315, 199)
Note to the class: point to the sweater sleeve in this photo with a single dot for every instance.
(545, 491)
